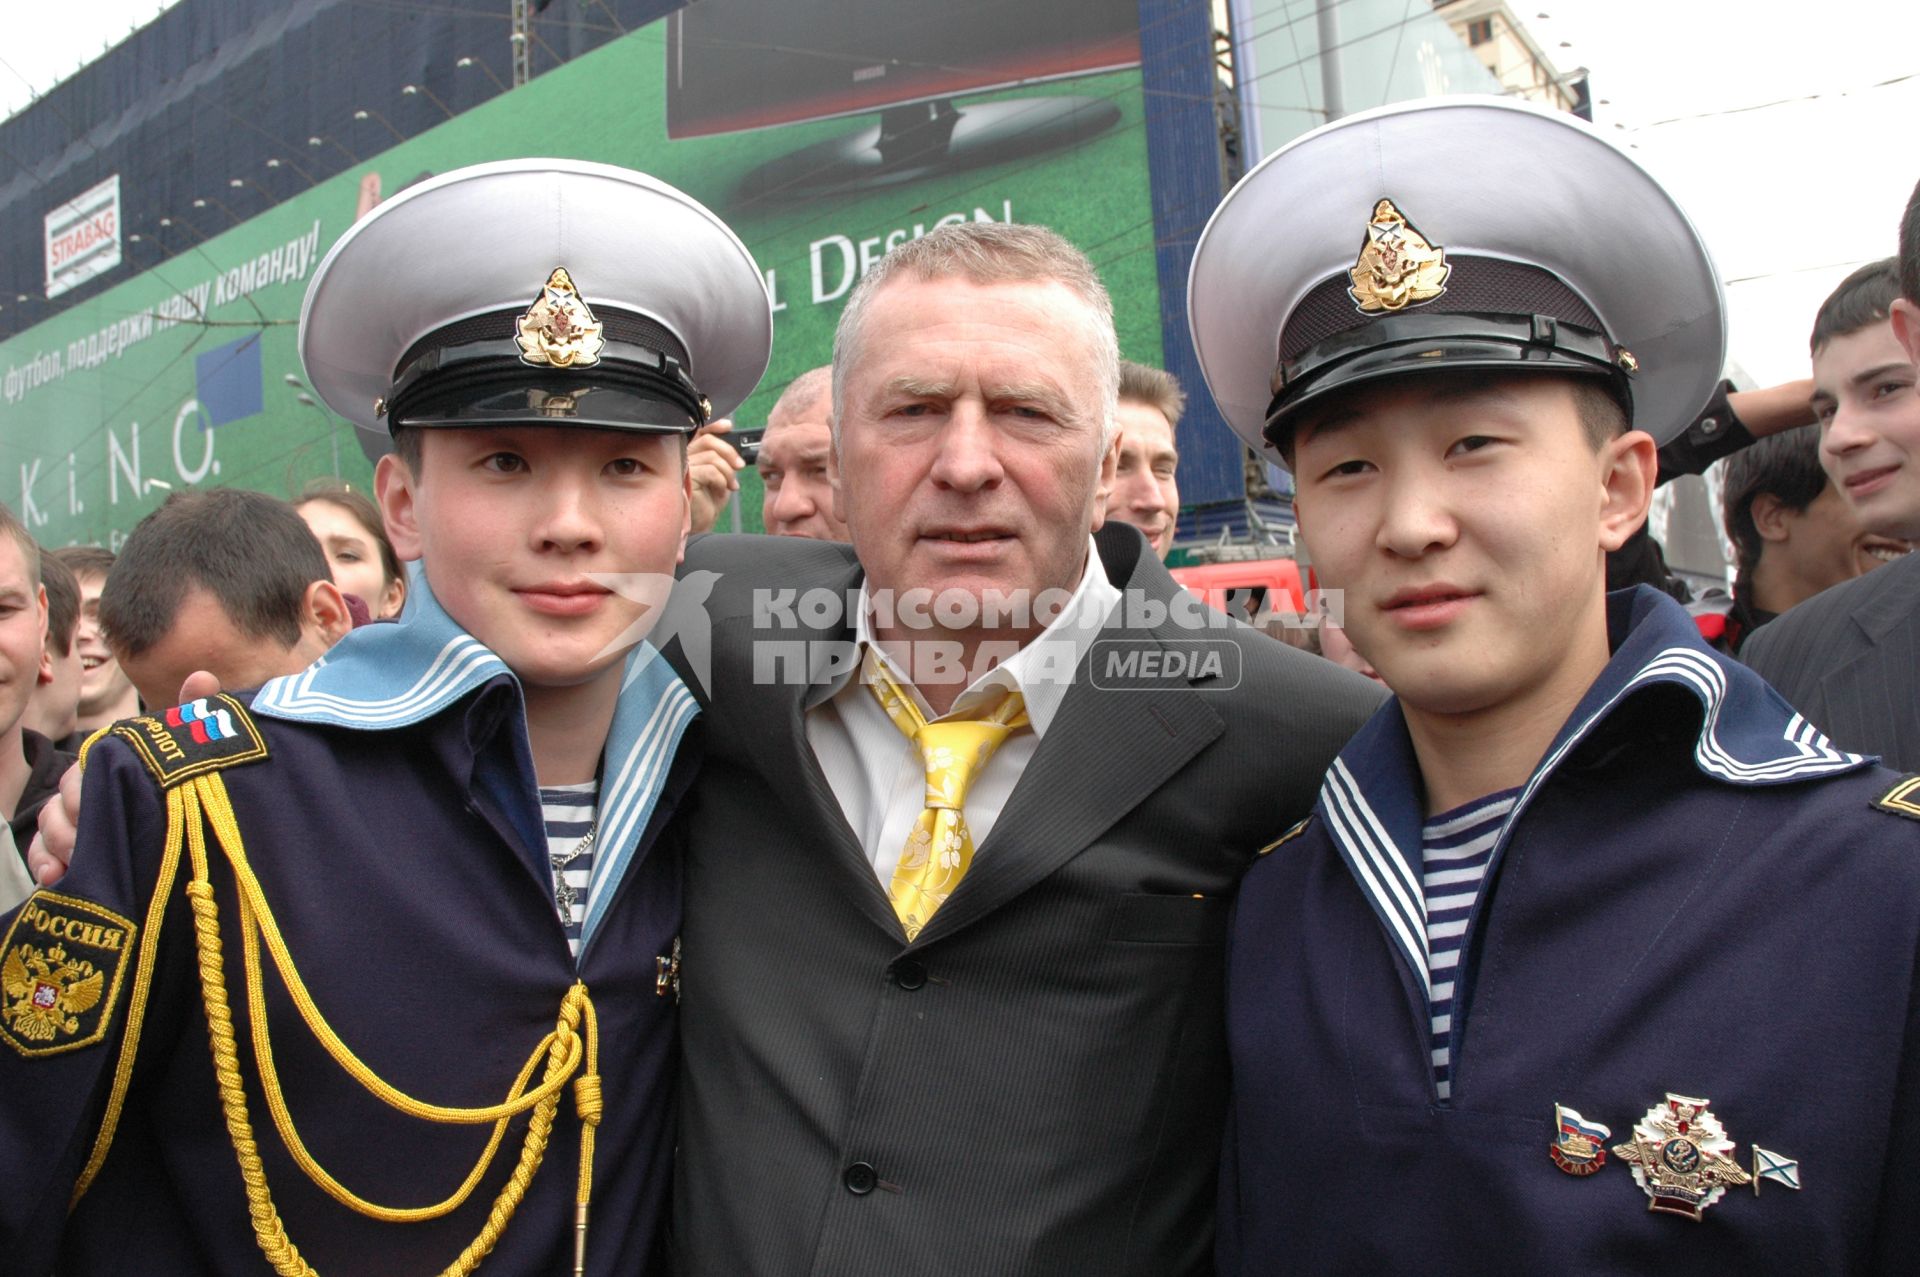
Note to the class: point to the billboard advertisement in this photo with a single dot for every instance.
(847, 127)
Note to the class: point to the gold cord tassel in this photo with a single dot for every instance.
(203, 801)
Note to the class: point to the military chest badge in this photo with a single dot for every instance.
(1397, 267)
(1681, 1157)
(666, 974)
(558, 331)
(1579, 1147)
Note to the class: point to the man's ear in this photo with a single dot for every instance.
(1629, 465)
(1103, 486)
(1109, 471)
(324, 611)
(1771, 517)
(44, 675)
(833, 473)
(1905, 316)
(393, 488)
(686, 509)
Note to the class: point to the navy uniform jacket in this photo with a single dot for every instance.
(396, 831)
(1695, 894)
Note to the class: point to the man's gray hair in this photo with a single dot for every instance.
(988, 253)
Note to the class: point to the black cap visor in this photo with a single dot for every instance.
(1428, 342)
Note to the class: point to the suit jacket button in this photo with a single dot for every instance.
(860, 1179)
(909, 974)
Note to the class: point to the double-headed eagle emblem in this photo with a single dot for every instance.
(47, 992)
(1680, 1155)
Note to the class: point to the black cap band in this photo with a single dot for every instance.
(472, 373)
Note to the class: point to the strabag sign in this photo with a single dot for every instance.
(83, 237)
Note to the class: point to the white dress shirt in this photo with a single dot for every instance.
(16, 884)
(876, 772)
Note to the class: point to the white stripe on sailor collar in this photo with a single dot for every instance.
(384, 676)
(1748, 736)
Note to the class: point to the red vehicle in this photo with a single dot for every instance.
(1247, 588)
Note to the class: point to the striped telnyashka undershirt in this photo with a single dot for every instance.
(568, 811)
(1455, 847)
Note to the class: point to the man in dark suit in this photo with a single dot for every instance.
(979, 792)
(1849, 658)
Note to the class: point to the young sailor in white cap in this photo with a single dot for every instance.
(447, 834)
(1586, 908)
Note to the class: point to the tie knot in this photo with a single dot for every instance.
(952, 750)
(953, 753)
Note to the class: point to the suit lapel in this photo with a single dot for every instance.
(773, 713)
(1081, 780)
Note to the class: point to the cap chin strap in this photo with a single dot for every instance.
(1444, 341)
(202, 801)
(479, 368)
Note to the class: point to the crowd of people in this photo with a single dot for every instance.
(911, 908)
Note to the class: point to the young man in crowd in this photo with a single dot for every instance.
(106, 693)
(30, 767)
(1589, 934)
(224, 580)
(53, 702)
(1849, 658)
(1906, 307)
(54, 709)
(449, 830)
(1145, 492)
(1793, 534)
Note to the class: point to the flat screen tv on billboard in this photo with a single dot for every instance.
(737, 65)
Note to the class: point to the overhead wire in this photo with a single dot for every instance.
(1786, 101)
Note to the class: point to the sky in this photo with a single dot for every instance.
(1788, 197)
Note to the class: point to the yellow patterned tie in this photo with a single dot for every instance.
(940, 848)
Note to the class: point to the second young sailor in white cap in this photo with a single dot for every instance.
(1585, 910)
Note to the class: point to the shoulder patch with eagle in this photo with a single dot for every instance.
(60, 973)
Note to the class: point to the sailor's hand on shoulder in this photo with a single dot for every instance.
(52, 848)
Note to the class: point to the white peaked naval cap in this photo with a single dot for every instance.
(537, 291)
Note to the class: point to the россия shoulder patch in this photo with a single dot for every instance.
(1903, 799)
(60, 973)
(190, 740)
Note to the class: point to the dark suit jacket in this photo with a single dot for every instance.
(1036, 1084)
(1849, 659)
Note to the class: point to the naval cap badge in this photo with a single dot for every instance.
(1579, 1147)
(1398, 267)
(1680, 1154)
(558, 331)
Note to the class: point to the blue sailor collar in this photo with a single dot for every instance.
(385, 676)
(1371, 799)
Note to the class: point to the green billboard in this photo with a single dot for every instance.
(186, 373)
